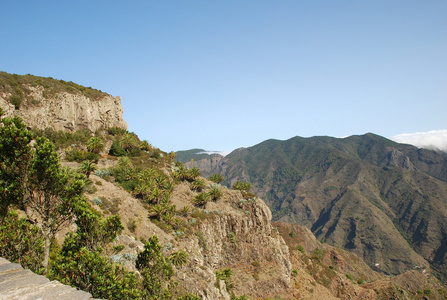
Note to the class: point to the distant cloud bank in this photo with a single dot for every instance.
(435, 139)
(223, 153)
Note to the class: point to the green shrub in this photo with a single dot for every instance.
(232, 237)
(300, 248)
(116, 131)
(117, 150)
(242, 186)
(80, 155)
(216, 178)
(21, 242)
(118, 248)
(94, 273)
(225, 275)
(110, 206)
(201, 199)
(15, 100)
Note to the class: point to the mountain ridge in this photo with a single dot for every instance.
(315, 181)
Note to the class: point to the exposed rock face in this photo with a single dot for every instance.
(66, 111)
(235, 234)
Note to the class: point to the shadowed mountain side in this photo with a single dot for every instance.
(382, 200)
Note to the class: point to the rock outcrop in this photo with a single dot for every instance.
(64, 110)
(237, 234)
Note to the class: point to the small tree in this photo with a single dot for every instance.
(15, 153)
(198, 184)
(128, 142)
(242, 186)
(87, 167)
(179, 258)
(116, 149)
(192, 174)
(215, 193)
(51, 195)
(155, 268)
(216, 178)
(145, 146)
(95, 144)
(201, 199)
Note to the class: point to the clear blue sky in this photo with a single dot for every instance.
(220, 75)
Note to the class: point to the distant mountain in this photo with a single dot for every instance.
(383, 200)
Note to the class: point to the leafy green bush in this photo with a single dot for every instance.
(179, 258)
(118, 248)
(155, 269)
(201, 199)
(21, 242)
(242, 186)
(80, 156)
(15, 100)
(95, 144)
(94, 273)
(225, 275)
(116, 131)
(116, 149)
(215, 193)
(216, 178)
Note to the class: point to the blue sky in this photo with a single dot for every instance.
(220, 75)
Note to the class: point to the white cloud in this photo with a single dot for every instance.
(223, 153)
(435, 139)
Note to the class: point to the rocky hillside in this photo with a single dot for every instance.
(46, 102)
(267, 260)
(211, 242)
(382, 200)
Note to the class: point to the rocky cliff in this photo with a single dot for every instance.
(45, 102)
(237, 234)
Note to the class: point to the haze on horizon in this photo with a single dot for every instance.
(230, 74)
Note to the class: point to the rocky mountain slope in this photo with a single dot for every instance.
(268, 260)
(46, 102)
(382, 200)
(233, 250)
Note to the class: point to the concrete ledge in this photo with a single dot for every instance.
(18, 283)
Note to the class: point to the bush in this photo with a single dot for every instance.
(116, 131)
(242, 186)
(117, 150)
(80, 155)
(118, 248)
(94, 273)
(216, 178)
(15, 100)
(21, 242)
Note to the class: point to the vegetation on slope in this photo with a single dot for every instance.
(19, 88)
(32, 179)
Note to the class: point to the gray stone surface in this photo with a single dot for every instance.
(17, 283)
